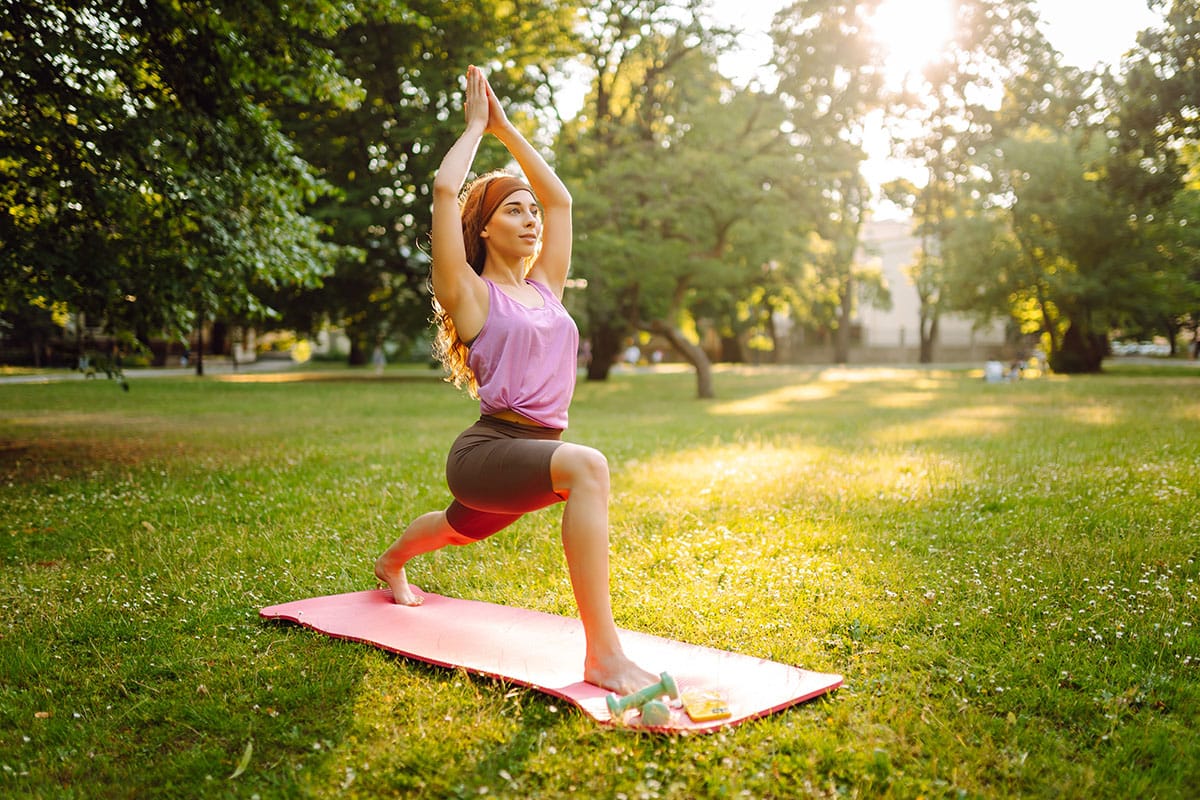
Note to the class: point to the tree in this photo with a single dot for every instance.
(1074, 222)
(146, 184)
(735, 216)
(1156, 163)
(1060, 249)
(830, 76)
(630, 49)
(381, 153)
(997, 51)
(927, 271)
(685, 188)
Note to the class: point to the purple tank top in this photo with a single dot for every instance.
(524, 358)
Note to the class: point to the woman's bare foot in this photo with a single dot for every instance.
(617, 674)
(424, 534)
(397, 581)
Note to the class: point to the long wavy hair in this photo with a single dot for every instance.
(448, 346)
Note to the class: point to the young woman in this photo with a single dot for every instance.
(500, 263)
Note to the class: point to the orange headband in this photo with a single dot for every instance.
(494, 194)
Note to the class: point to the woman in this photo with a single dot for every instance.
(500, 263)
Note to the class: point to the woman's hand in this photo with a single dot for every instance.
(477, 106)
(497, 119)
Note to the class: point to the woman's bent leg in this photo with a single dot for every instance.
(581, 475)
(425, 534)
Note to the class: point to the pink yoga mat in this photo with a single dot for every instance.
(545, 652)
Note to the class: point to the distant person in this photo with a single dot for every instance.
(993, 371)
(501, 252)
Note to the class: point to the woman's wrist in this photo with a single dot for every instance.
(507, 133)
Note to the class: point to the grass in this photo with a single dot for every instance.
(1004, 574)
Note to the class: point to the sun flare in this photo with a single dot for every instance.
(912, 33)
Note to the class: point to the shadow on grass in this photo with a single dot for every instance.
(38, 459)
(419, 729)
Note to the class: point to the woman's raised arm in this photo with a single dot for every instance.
(454, 282)
(554, 261)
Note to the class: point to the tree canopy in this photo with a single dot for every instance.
(144, 179)
(1053, 192)
(163, 162)
(380, 153)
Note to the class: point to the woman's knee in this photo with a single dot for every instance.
(577, 466)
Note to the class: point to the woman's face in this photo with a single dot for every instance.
(516, 226)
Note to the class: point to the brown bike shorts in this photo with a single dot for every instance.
(498, 471)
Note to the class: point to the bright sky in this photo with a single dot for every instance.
(1088, 33)
(1085, 35)
(1085, 31)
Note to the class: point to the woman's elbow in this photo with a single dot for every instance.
(560, 199)
(445, 188)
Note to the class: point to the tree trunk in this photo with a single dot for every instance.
(731, 350)
(1172, 334)
(606, 344)
(36, 346)
(218, 336)
(1080, 353)
(358, 353)
(841, 339)
(200, 342)
(929, 331)
(841, 336)
(694, 354)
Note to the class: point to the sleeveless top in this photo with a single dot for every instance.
(524, 358)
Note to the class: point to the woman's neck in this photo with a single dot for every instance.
(506, 275)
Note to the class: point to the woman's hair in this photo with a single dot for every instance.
(475, 208)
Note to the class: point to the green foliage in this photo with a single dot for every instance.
(1157, 108)
(1062, 208)
(1073, 237)
(168, 161)
(1004, 574)
(831, 79)
(998, 50)
(1059, 249)
(621, 158)
(692, 199)
(1155, 169)
(142, 176)
(381, 152)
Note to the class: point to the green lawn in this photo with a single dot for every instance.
(1005, 575)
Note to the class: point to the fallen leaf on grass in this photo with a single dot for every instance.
(245, 762)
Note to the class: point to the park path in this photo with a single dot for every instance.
(218, 366)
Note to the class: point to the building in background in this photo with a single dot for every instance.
(893, 335)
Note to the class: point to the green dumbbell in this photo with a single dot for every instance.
(656, 713)
(666, 685)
